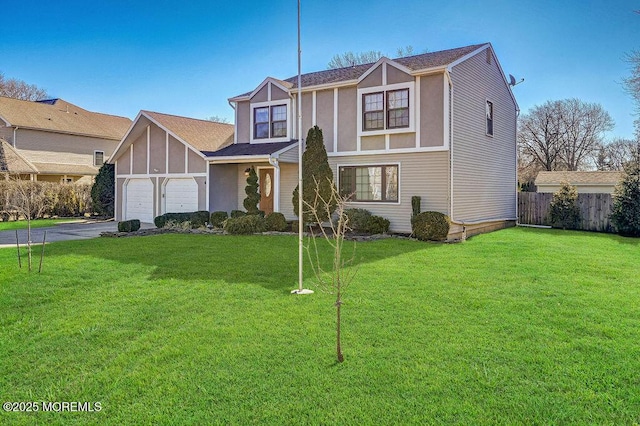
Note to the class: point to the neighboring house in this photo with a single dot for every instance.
(440, 125)
(160, 166)
(54, 140)
(585, 182)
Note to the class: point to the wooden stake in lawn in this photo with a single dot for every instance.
(338, 279)
(44, 240)
(18, 248)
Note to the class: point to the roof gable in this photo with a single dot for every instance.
(200, 135)
(11, 161)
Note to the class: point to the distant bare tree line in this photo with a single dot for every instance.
(18, 89)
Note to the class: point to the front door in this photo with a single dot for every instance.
(266, 191)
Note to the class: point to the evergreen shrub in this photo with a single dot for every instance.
(218, 218)
(245, 225)
(129, 225)
(430, 226)
(564, 211)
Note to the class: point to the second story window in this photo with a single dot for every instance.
(98, 158)
(388, 109)
(270, 122)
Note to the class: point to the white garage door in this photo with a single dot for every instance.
(139, 200)
(181, 195)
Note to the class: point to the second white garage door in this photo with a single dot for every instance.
(181, 195)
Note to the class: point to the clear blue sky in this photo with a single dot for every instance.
(188, 57)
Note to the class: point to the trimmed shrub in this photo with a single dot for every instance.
(276, 222)
(245, 225)
(237, 213)
(160, 221)
(377, 225)
(626, 201)
(129, 225)
(358, 219)
(430, 226)
(415, 206)
(253, 198)
(199, 219)
(564, 211)
(295, 224)
(361, 220)
(218, 218)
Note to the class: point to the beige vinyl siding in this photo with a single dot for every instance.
(290, 156)
(243, 123)
(140, 154)
(484, 167)
(425, 174)
(63, 143)
(432, 110)
(347, 118)
(288, 182)
(324, 116)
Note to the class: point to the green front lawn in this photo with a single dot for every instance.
(38, 223)
(521, 326)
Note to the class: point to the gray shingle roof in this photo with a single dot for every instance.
(414, 63)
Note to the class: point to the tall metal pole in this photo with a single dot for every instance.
(300, 289)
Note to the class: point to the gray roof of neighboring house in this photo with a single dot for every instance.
(578, 178)
(414, 63)
(57, 115)
(250, 149)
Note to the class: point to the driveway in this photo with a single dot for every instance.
(63, 232)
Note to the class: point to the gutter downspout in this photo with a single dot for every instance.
(276, 184)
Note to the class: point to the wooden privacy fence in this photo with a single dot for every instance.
(533, 209)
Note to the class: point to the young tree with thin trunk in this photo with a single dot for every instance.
(336, 280)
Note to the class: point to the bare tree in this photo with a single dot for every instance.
(614, 155)
(562, 135)
(340, 276)
(350, 59)
(404, 51)
(540, 136)
(218, 119)
(18, 89)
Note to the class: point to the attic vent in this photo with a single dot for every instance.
(489, 56)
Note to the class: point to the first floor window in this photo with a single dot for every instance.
(369, 183)
(270, 122)
(98, 158)
(489, 108)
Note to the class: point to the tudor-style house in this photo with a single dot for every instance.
(440, 125)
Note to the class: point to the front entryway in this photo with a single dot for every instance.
(266, 190)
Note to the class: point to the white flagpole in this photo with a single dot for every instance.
(300, 289)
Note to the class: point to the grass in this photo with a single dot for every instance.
(38, 223)
(521, 326)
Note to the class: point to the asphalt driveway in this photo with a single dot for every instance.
(63, 232)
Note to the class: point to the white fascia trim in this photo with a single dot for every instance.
(378, 164)
(6, 123)
(387, 61)
(283, 150)
(126, 135)
(335, 119)
(390, 151)
(160, 175)
(238, 159)
(411, 85)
